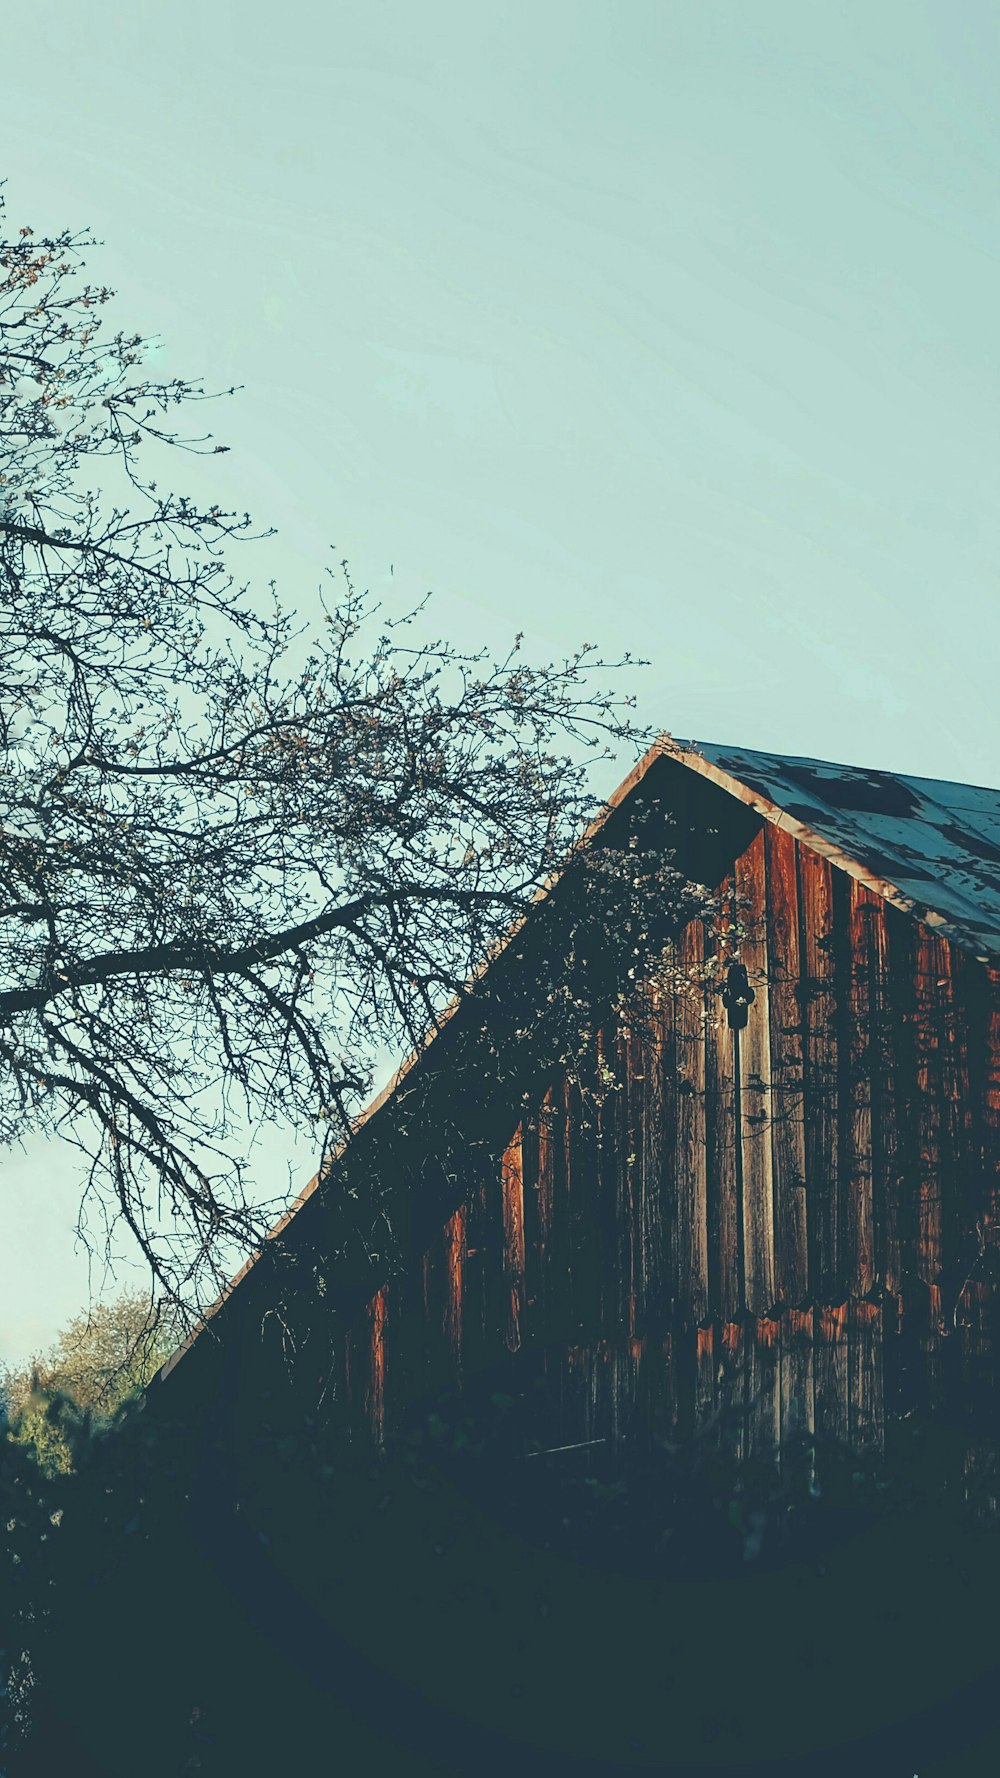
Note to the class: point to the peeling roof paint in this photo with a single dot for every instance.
(930, 846)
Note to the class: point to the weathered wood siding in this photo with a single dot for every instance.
(800, 1218)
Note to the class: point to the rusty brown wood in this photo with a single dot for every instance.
(859, 1233)
(888, 1140)
(455, 1269)
(724, 1211)
(512, 1189)
(648, 1180)
(375, 1403)
(960, 1193)
(871, 1063)
(536, 1173)
(928, 963)
(690, 1180)
(820, 1072)
(755, 1092)
(786, 1067)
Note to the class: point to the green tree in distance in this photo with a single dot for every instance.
(99, 1362)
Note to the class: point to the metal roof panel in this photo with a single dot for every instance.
(937, 844)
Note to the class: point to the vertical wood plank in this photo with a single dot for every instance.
(764, 1387)
(705, 1376)
(755, 1092)
(684, 1348)
(646, 1187)
(606, 1120)
(408, 1356)
(559, 1240)
(690, 1169)
(866, 1423)
(627, 1247)
(820, 1070)
(981, 1021)
(982, 998)
(655, 1204)
(830, 1369)
(786, 1068)
(584, 1172)
(512, 1189)
(336, 1393)
(992, 1100)
(376, 1365)
(928, 963)
(959, 1186)
(661, 1388)
(632, 1208)
(888, 1165)
(859, 1241)
(455, 1251)
(536, 1177)
(725, 1279)
(908, 1367)
(932, 1336)
(439, 1371)
(902, 1363)
(544, 1185)
(732, 1388)
(798, 1408)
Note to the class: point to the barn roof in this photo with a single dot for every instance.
(929, 846)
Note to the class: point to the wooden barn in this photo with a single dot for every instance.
(763, 1185)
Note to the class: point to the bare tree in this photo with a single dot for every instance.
(239, 848)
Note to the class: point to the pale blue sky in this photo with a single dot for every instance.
(670, 326)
